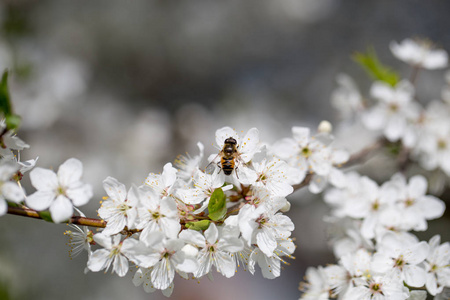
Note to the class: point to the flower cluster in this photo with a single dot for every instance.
(189, 225)
(378, 256)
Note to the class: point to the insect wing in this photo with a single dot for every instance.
(211, 167)
(245, 175)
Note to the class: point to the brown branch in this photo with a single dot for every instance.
(354, 159)
(31, 213)
(363, 153)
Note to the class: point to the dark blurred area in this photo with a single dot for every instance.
(127, 86)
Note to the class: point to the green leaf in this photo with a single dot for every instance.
(217, 205)
(45, 215)
(13, 122)
(5, 100)
(200, 225)
(370, 63)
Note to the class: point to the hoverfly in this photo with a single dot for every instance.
(228, 157)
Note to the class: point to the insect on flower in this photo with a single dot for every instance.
(229, 157)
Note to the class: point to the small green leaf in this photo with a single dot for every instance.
(13, 122)
(217, 205)
(200, 225)
(45, 215)
(5, 101)
(370, 63)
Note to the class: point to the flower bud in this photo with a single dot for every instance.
(325, 127)
(286, 207)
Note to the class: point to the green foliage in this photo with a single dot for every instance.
(4, 291)
(5, 102)
(200, 225)
(12, 120)
(370, 63)
(217, 205)
(45, 215)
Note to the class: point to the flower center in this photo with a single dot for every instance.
(123, 208)
(441, 144)
(375, 288)
(115, 250)
(156, 215)
(60, 190)
(376, 205)
(306, 152)
(393, 107)
(262, 177)
(212, 248)
(261, 221)
(399, 262)
(409, 202)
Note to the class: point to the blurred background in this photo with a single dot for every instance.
(127, 86)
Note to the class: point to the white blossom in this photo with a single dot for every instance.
(402, 258)
(215, 249)
(437, 266)
(157, 214)
(420, 53)
(120, 209)
(394, 111)
(9, 190)
(59, 192)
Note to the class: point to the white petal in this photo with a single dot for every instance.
(61, 209)
(171, 227)
(414, 275)
(103, 240)
(115, 189)
(40, 200)
(231, 244)
(266, 241)
(418, 253)
(374, 119)
(188, 265)
(249, 144)
(270, 266)
(381, 91)
(395, 128)
(193, 237)
(245, 175)
(301, 135)
(70, 171)
(225, 264)
(120, 265)
(417, 186)
(169, 175)
(98, 260)
(436, 59)
(212, 234)
(320, 163)
(337, 178)
(44, 179)
(223, 133)
(381, 263)
(12, 191)
(80, 195)
(317, 184)
(339, 157)
(285, 148)
(417, 295)
(139, 253)
(431, 207)
(3, 207)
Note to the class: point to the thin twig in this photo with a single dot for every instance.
(77, 220)
(354, 159)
